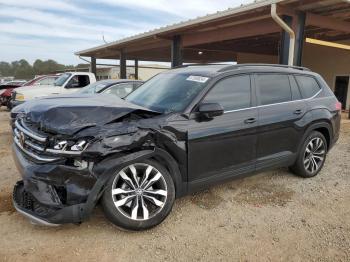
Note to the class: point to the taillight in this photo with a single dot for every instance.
(338, 106)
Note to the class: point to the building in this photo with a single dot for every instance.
(113, 72)
(311, 33)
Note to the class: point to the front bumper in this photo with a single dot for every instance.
(53, 194)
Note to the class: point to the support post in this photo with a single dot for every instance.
(136, 69)
(122, 63)
(176, 51)
(300, 38)
(285, 42)
(92, 68)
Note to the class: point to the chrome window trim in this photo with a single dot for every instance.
(292, 101)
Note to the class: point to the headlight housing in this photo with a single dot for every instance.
(65, 147)
(19, 97)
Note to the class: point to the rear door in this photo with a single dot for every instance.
(224, 146)
(280, 107)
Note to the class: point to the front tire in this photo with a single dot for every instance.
(139, 195)
(312, 156)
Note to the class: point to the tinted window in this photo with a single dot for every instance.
(231, 93)
(308, 86)
(273, 88)
(78, 81)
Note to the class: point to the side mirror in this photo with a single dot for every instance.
(210, 110)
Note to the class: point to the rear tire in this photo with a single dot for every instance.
(312, 156)
(139, 195)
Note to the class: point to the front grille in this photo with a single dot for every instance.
(32, 144)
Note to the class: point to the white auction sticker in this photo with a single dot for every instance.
(200, 79)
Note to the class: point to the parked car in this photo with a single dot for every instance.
(6, 86)
(181, 131)
(118, 87)
(11, 84)
(67, 83)
(6, 96)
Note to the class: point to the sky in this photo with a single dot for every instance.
(55, 29)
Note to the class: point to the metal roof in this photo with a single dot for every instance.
(247, 29)
(198, 20)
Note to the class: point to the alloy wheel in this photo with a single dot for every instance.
(139, 191)
(314, 155)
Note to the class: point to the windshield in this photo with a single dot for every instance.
(93, 88)
(168, 92)
(62, 79)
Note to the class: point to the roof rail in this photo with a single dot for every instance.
(271, 65)
(201, 64)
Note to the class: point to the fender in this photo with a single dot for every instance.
(325, 123)
(107, 167)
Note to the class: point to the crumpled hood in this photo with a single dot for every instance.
(66, 115)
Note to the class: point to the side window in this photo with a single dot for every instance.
(231, 93)
(121, 90)
(308, 86)
(47, 81)
(79, 81)
(273, 88)
(137, 84)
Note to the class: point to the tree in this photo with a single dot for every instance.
(23, 70)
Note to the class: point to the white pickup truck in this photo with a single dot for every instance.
(67, 83)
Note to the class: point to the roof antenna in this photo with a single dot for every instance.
(104, 40)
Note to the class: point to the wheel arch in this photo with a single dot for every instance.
(104, 169)
(323, 126)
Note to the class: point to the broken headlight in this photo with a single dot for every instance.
(64, 146)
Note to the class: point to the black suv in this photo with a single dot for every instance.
(182, 131)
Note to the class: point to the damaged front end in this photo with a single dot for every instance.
(66, 154)
(55, 183)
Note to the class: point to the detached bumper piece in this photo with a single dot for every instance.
(41, 214)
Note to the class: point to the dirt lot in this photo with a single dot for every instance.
(273, 216)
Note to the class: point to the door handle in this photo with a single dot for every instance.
(298, 112)
(250, 120)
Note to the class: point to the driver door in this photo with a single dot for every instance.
(225, 145)
(75, 84)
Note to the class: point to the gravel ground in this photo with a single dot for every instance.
(273, 216)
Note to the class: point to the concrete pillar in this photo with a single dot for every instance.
(176, 52)
(136, 69)
(92, 68)
(284, 47)
(299, 38)
(122, 73)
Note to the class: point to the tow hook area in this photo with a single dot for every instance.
(26, 205)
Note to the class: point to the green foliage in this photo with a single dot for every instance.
(23, 70)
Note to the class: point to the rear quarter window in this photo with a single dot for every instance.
(308, 86)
